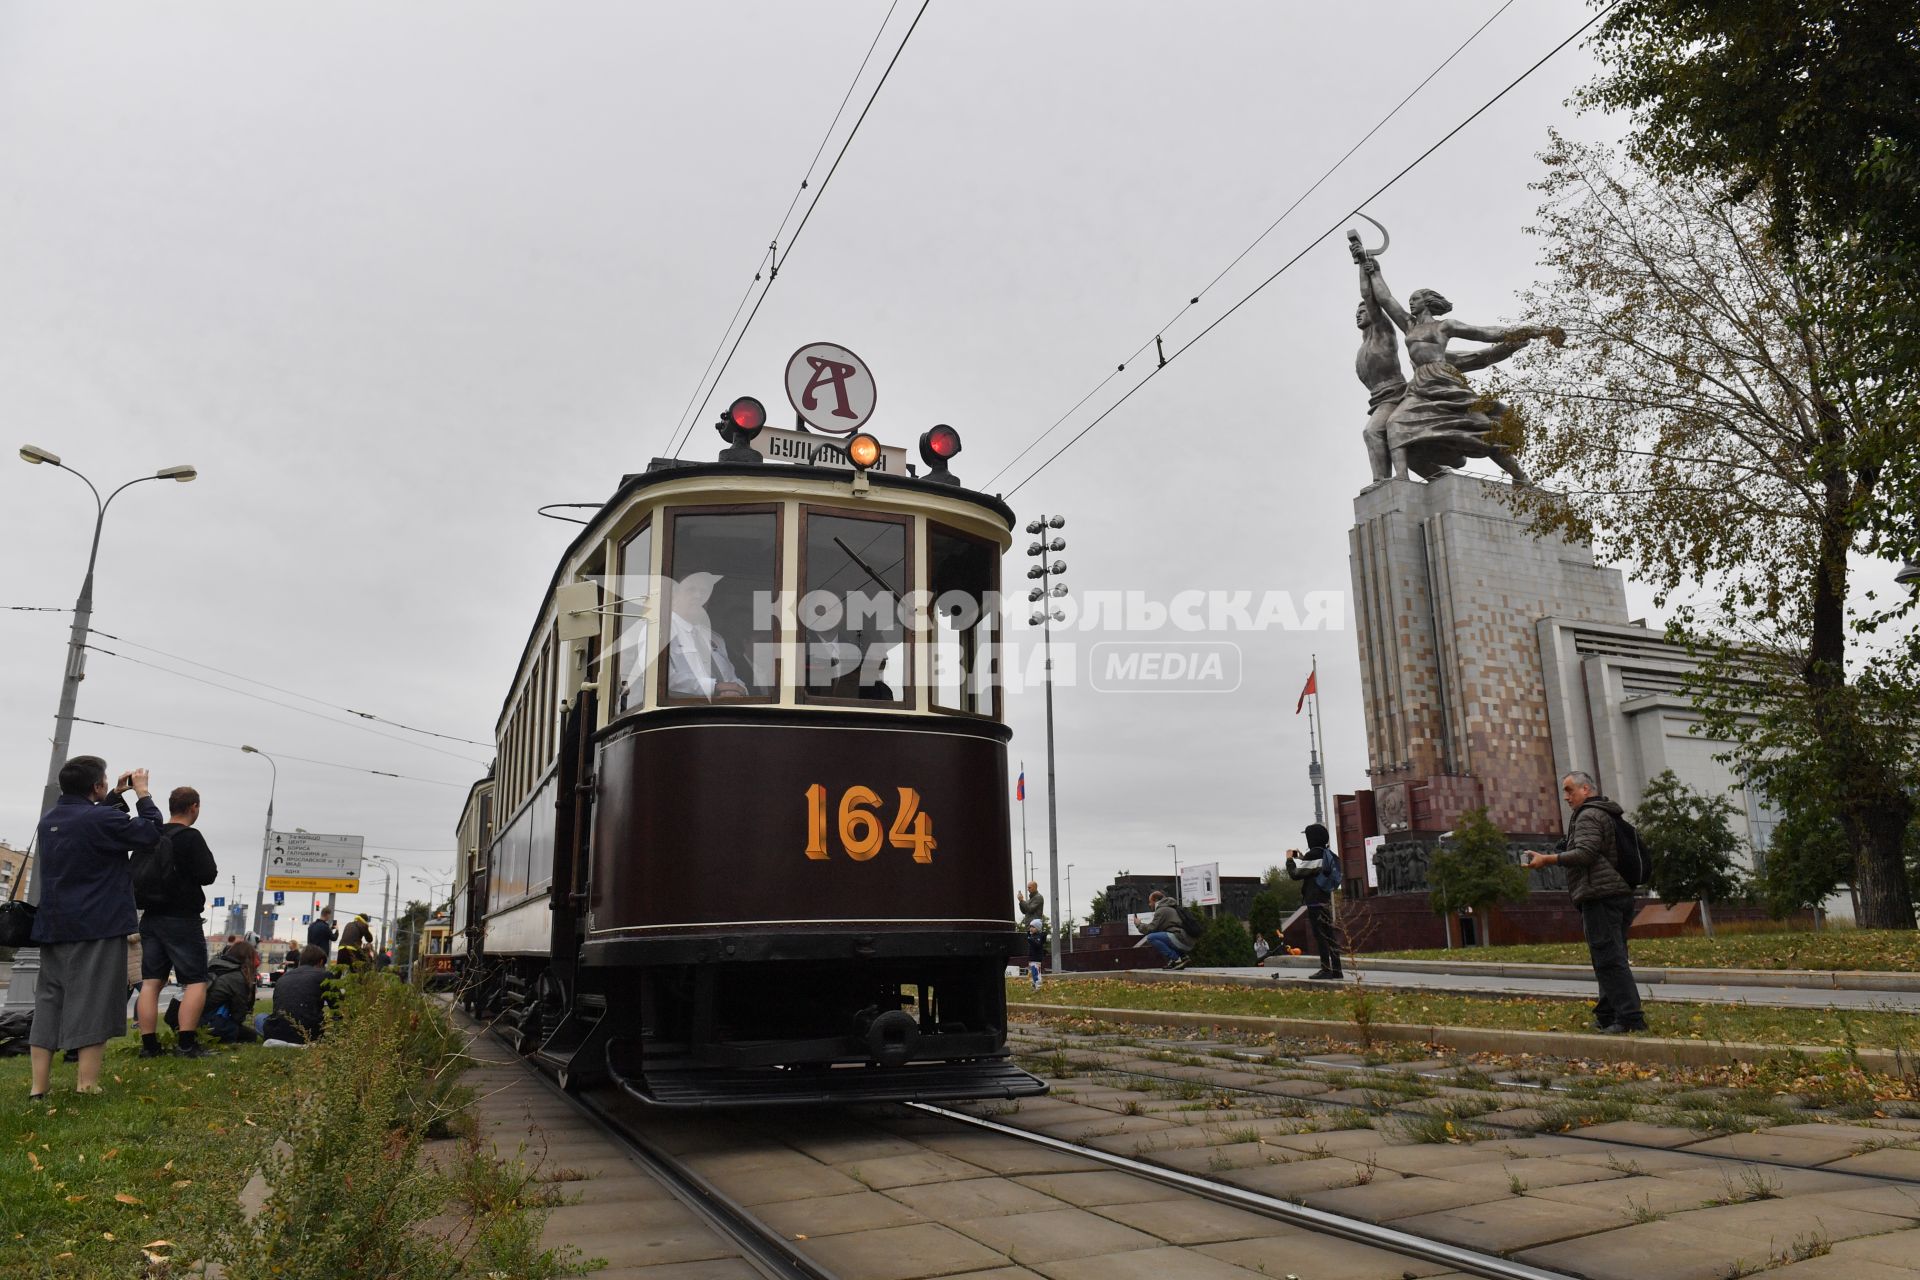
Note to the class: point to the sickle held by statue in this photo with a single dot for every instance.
(1361, 252)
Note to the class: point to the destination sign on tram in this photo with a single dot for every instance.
(803, 449)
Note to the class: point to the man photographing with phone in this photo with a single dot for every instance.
(86, 912)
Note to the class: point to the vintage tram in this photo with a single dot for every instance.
(745, 839)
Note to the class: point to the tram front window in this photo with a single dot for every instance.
(723, 639)
(852, 620)
(965, 586)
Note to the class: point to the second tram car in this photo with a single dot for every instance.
(746, 835)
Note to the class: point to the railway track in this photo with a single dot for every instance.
(1515, 1130)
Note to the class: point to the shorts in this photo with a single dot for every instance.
(81, 998)
(172, 944)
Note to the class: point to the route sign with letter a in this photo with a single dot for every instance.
(830, 388)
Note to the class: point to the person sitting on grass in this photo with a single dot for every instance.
(299, 1006)
(235, 975)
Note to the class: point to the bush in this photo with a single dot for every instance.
(1265, 915)
(1225, 943)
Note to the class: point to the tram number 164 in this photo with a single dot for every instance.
(860, 830)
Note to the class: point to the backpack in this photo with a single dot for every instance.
(1191, 923)
(1330, 876)
(153, 878)
(1631, 857)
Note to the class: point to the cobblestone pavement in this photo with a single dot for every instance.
(1621, 1199)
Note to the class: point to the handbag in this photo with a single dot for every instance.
(16, 916)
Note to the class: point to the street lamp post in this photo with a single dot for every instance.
(1069, 912)
(1176, 871)
(1044, 617)
(26, 964)
(392, 868)
(266, 842)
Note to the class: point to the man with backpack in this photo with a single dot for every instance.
(1319, 876)
(167, 882)
(1171, 931)
(1598, 843)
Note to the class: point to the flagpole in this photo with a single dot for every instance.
(1316, 773)
(1026, 854)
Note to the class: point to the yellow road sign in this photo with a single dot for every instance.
(313, 884)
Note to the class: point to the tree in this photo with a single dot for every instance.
(1474, 868)
(1284, 887)
(1806, 862)
(1708, 423)
(1265, 916)
(1691, 836)
(1097, 908)
(1225, 941)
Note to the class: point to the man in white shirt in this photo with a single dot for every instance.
(697, 661)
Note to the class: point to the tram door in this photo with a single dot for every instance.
(572, 833)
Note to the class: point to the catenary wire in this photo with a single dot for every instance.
(1255, 243)
(291, 693)
(1310, 245)
(34, 608)
(277, 755)
(781, 259)
(772, 249)
(275, 702)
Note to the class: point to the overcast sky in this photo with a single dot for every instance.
(393, 275)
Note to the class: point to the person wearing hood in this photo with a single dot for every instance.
(234, 974)
(1603, 897)
(1319, 876)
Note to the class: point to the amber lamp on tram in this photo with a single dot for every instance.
(937, 447)
(863, 451)
(738, 426)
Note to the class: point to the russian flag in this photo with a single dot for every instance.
(1020, 787)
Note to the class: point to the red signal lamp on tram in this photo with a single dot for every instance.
(738, 426)
(937, 447)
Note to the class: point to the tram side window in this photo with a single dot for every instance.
(965, 577)
(723, 627)
(631, 599)
(852, 626)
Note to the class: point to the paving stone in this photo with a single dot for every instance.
(1317, 1257)
(1723, 1178)
(1778, 1148)
(1511, 1118)
(1543, 1144)
(1630, 1159)
(1425, 1157)
(1220, 1132)
(1895, 1249)
(845, 1149)
(1833, 1267)
(1649, 1251)
(783, 1181)
(1107, 1186)
(1338, 1141)
(1190, 1221)
(1503, 1226)
(973, 1198)
(1649, 1193)
(1640, 1134)
(1888, 1198)
(1784, 1220)
(1167, 1263)
(1298, 1088)
(1303, 1176)
(708, 1269)
(1052, 1234)
(901, 1253)
(1000, 1273)
(997, 1154)
(1853, 1134)
(647, 1244)
(1535, 1172)
(1403, 1197)
(835, 1215)
(1205, 1160)
(1894, 1162)
(1104, 1124)
(909, 1170)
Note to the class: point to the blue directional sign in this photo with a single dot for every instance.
(279, 896)
(219, 902)
(306, 919)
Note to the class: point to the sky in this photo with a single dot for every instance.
(393, 276)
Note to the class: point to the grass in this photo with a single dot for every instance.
(85, 1182)
(1876, 949)
(1775, 1026)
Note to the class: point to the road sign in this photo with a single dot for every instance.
(279, 896)
(306, 919)
(219, 902)
(304, 861)
(830, 388)
(809, 450)
(1200, 884)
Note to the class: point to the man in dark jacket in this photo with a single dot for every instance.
(1319, 875)
(172, 928)
(322, 932)
(1167, 932)
(86, 912)
(1604, 898)
(356, 943)
(299, 1005)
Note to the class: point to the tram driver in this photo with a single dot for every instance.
(697, 661)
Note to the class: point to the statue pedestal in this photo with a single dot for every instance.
(1449, 589)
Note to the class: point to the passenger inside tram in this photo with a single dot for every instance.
(723, 627)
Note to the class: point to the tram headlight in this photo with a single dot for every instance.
(938, 446)
(863, 451)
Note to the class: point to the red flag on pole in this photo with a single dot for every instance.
(1304, 692)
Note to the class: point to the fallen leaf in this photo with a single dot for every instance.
(158, 1244)
(111, 1154)
(167, 1165)
(184, 1182)
(124, 1198)
(75, 1199)
(106, 1235)
(248, 1122)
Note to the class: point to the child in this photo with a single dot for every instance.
(1036, 953)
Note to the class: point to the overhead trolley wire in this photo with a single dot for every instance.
(276, 754)
(291, 693)
(772, 249)
(778, 258)
(1255, 243)
(260, 697)
(1310, 245)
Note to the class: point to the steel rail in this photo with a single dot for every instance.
(1317, 1220)
(1512, 1130)
(764, 1249)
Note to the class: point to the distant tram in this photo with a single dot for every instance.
(746, 838)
